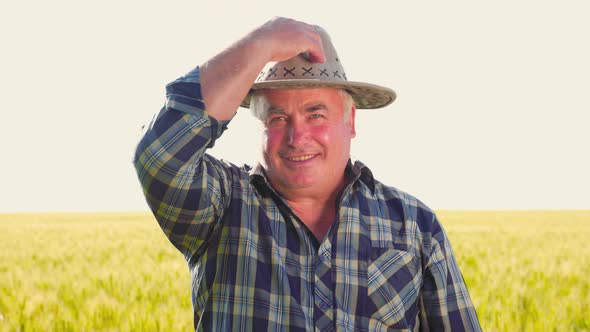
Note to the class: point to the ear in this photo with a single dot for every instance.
(351, 121)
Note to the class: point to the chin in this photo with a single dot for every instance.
(301, 184)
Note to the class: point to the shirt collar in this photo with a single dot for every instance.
(355, 170)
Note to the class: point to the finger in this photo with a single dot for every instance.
(316, 48)
(317, 54)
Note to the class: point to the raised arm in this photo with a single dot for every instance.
(186, 189)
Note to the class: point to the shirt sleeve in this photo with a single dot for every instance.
(445, 301)
(186, 189)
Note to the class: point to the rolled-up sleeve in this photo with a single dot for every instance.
(186, 189)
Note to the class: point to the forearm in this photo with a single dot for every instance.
(227, 77)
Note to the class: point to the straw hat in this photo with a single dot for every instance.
(299, 72)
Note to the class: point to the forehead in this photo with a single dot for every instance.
(276, 97)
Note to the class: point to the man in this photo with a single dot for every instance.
(307, 240)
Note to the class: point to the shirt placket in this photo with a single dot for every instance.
(323, 290)
(321, 298)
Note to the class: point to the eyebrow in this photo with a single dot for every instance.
(312, 108)
(316, 107)
(274, 110)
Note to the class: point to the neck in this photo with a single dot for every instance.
(316, 216)
(316, 210)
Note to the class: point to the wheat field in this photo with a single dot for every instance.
(526, 271)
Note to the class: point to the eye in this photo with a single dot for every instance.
(277, 119)
(316, 116)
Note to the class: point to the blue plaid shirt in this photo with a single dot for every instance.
(385, 265)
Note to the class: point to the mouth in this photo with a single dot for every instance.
(301, 158)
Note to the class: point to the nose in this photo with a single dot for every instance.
(297, 134)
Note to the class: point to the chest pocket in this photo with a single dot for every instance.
(394, 281)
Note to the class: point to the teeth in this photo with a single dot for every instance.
(301, 158)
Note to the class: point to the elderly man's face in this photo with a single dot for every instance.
(306, 141)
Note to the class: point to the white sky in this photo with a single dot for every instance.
(492, 109)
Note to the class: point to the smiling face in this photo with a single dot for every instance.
(306, 140)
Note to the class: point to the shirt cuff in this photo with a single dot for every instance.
(184, 95)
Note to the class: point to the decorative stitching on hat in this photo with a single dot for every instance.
(307, 71)
(294, 74)
(288, 71)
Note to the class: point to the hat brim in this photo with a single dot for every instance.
(365, 95)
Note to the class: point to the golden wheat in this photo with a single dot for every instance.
(526, 271)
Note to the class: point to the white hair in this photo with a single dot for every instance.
(347, 102)
(259, 104)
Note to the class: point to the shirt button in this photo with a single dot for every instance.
(323, 305)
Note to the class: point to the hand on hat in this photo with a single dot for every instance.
(227, 77)
(284, 38)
